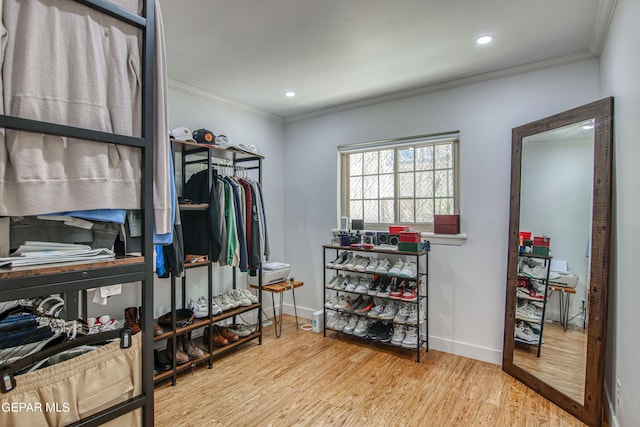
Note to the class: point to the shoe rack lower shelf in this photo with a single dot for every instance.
(195, 362)
(205, 322)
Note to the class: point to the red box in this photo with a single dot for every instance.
(397, 229)
(446, 224)
(525, 235)
(410, 237)
(541, 241)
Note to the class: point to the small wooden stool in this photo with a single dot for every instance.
(281, 288)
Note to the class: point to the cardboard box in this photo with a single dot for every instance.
(446, 224)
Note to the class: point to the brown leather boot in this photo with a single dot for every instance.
(226, 333)
(181, 356)
(190, 347)
(131, 319)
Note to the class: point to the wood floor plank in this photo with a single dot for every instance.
(304, 379)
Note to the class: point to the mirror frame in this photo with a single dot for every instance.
(590, 412)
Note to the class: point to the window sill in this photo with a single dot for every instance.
(445, 239)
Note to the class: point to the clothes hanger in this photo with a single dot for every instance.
(8, 373)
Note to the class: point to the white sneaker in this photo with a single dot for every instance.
(351, 262)
(373, 264)
(351, 325)
(199, 308)
(383, 266)
(415, 316)
(352, 284)
(340, 323)
(361, 264)
(331, 321)
(411, 337)
(363, 286)
(403, 313)
(397, 267)
(525, 333)
(331, 303)
(529, 313)
(346, 258)
(339, 260)
(253, 298)
(239, 296)
(409, 270)
(341, 303)
(389, 312)
(362, 327)
(398, 335)
(377, 309)
(334, 280)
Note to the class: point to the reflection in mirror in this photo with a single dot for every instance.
(558, 257)
(553, 268)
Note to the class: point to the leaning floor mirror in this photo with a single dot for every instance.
(558, 258)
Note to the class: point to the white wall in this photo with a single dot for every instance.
(468, 282)
(620, 68)
(555, 200)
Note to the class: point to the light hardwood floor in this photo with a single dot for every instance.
(307, 380)
(562, 362)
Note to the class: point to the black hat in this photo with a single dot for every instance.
(203, 136)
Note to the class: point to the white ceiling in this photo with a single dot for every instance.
(338, 52)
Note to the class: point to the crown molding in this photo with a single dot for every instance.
(449, 84)
(604, 16)
(192, 90)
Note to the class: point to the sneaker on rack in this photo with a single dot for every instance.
(409, 293)
(331, 320)
(385, 332)
(366, 308)
(339, 260)
(362, 327)
(342, 284)
(398, 335)
(529, 313)
(351, 262)
(363, 286)
(415, 316)
(334, 280)
(376, 309)
(354, 304)
(409, 270)
(396, 288)
(372, 332)
(332, 302)
(403, 312)
(383, 266)
(351, 325)
(341, 322)
(199, 308)
(345, 258)
(352, 284)
(241, 330)
(397, 267)
(524, 332)
(250, 295)
(224, 303)
(389, 312)
(373, 264)
(373, 289)
(239, 296)
(410, 338)
(341, 303)
(361, 264)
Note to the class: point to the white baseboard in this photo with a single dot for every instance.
(613, 420)
(436, 343)
(471, 351)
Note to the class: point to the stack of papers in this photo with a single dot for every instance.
(36, 253)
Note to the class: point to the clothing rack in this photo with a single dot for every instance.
(69, 279)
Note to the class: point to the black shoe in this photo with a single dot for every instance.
(161, 361)
(372, 333)
(385, 332)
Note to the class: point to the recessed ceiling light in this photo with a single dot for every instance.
(485, 39)
(290, 94)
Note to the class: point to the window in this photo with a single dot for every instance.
(405, 181)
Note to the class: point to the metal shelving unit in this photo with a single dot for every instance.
(68, 279)
(422, 272)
